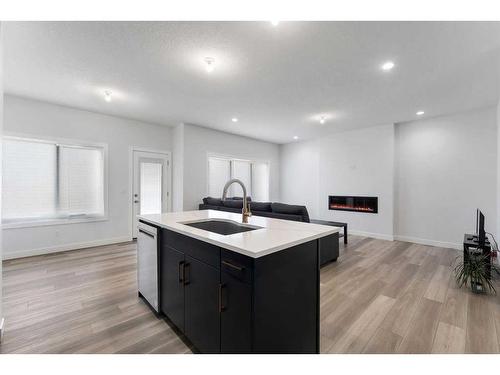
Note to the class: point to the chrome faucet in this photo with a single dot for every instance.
(246, 208)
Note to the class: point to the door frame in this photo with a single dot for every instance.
(130, 189)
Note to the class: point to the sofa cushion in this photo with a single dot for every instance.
(212, 201)
(289, 209)
(233, 203)
(275, 215)
(260, 206)
(230, 209)
(249, 199)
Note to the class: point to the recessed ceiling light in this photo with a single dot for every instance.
(420, 113)
(275, 23)
(209, 64)
(322, 120)
(388, 65)
(107, 95)
(295, 137)
(234, 119)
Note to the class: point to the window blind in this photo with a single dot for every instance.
(45, 180)
(81, 181)
(219, 172)
(29, 180)
(260, 182)
(255, 176)
(242, 170)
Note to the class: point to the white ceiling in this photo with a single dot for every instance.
(274, 79)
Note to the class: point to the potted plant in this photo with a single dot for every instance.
(475, 271)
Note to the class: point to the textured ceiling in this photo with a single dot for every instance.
(276, 80)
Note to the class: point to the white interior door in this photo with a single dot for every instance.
(151, 185)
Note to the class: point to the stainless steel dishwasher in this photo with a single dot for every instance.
(147, 264)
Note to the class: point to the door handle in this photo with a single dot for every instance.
(185, 275)
(136, 201)
(181, 271)
(222, 308)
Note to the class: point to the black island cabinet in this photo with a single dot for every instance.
(226, 302)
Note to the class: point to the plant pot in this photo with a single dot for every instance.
(477, 288)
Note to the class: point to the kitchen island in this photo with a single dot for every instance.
(239, 288)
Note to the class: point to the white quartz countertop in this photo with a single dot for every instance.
(274, 234)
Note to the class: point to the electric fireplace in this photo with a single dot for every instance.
(353, 203)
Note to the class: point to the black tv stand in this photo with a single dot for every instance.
(471, 242)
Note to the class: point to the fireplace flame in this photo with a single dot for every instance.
(336, 206)
(353, 203)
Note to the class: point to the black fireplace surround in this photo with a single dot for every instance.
(353, 203)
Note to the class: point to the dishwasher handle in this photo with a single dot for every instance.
(147, 233)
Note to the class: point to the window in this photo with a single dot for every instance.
(151, 188)
(45, 180)
(242, 170)
(219, 172)
(260, 181)
(255, 176)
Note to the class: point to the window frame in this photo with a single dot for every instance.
(76, 219)
(231, 158)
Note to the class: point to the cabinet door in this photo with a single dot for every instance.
(172, 286)
(236, 315)
(202, 325)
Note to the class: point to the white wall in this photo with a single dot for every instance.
(199, 142)
(299, 175)
(189, 144)
(43, 119)
(178, 168)
(1, 129)
(430, 176)
(446, 168)
(358, 162)
(416, 169)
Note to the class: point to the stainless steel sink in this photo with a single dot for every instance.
(221, 226)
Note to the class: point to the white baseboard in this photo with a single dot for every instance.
(65, 247)
(379, 236)
(423, 241)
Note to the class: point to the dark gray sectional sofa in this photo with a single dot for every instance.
(267, 209)
(329, 246)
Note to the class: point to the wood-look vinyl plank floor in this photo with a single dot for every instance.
(379, 297)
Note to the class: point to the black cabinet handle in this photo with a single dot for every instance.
(181, 271)
(233, 266)
(221, 304)
(186, 275)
